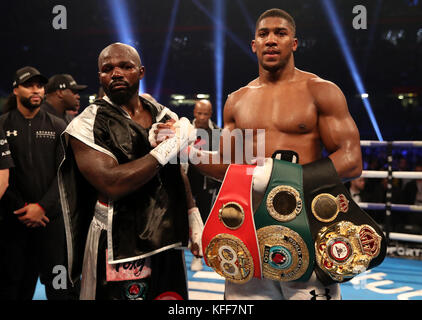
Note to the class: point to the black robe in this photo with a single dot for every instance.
(150, 220)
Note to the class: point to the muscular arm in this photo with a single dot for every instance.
(111, 180)
(337, 129)
(4, 181)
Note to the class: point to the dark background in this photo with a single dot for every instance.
(388, 54)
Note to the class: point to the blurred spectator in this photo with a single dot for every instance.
(411, 222)
(204, 189)
(412, 191)
(357, 190)
(62, 95)
(402, 165)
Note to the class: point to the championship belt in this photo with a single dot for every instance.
(229, 238)
(347, 240)
(284, 236)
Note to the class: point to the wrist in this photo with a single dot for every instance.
(166, 150)
(193, 210)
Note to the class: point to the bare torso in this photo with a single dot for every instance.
(287, 112)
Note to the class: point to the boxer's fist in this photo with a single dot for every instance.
(182, 133)
(160, 132)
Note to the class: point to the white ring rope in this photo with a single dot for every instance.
(396, 174)
(405, 237)
(396, 207)
(404, 144)
(393, 174)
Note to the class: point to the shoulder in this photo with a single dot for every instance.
(90, 113)
(243, 90)
(239, 93)
(58, 123)
(4, 116)
(84, 122)
(233, 102)
(319, 86)
(6, 119)
(326, 94)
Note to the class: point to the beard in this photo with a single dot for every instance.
(26, 102)
(122, 96)
(274, 68)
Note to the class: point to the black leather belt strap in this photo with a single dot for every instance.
(328, 202)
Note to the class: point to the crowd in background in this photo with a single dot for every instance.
(403, 191)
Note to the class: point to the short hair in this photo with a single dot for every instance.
(275, 12)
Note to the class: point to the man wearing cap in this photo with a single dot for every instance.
(62, 95)
(32, 236)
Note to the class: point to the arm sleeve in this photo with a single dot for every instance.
(6, 160)
(11, 199)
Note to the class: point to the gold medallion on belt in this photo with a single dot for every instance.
(344, 250)
(284, 203)
(284, 254)
(231, 215)
(230, 258)
(325, 207)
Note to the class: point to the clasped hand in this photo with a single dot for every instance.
(32, 216)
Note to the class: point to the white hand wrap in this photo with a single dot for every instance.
(262, 175)
(196, 226)
(155, 139)
(168, 149)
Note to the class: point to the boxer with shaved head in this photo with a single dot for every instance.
(127, 208)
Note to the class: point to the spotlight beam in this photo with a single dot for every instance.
(219, 43)
(164, 56)
(122, 24)
(341, 38)
(232, 36)
(245, 13)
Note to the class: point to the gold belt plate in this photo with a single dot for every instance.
(284, 254)
(230, 258)
(343, 250)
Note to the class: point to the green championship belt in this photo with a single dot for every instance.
(285, 240)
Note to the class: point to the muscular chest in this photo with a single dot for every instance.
(282, 109)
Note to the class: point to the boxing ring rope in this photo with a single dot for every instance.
(396, 174)
(390, 174)
(403, 144)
